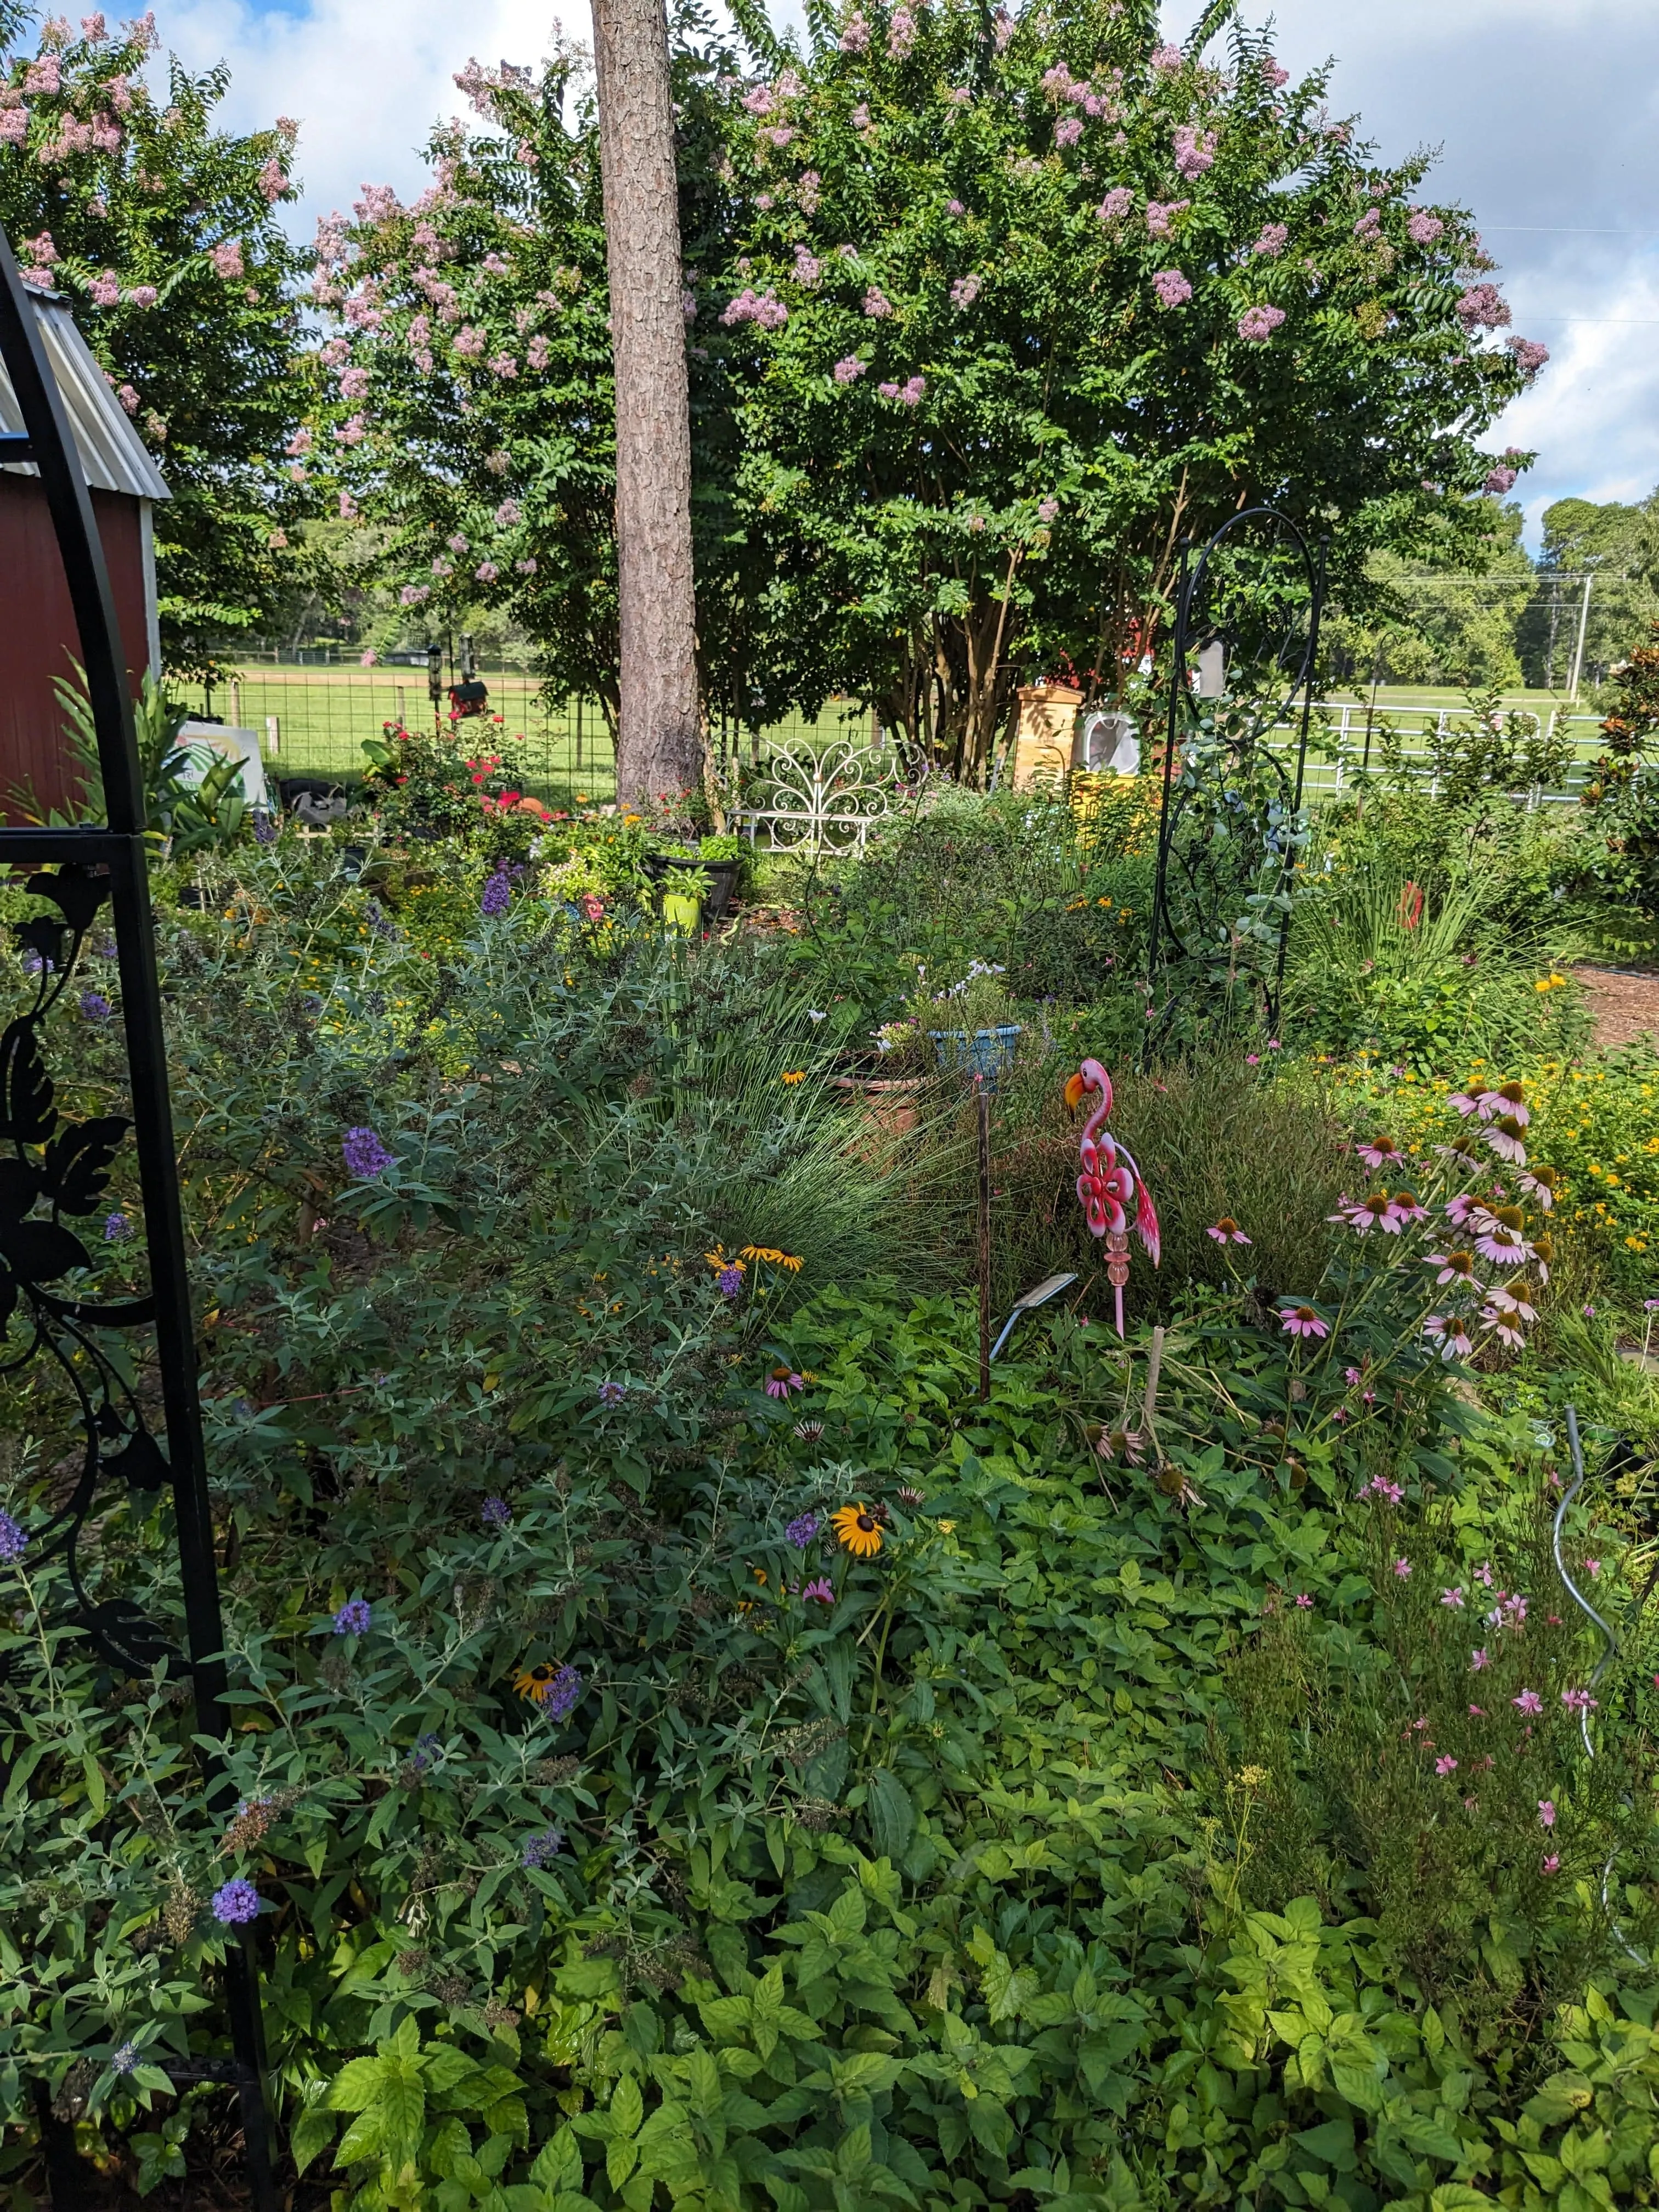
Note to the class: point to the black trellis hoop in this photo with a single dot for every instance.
(1270, 626)
(48, 1162)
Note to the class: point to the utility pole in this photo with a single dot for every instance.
(1578, 650)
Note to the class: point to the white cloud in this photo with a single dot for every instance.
(1547, 113)
(365, 81)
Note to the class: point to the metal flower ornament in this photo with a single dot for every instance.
(1109, 1182)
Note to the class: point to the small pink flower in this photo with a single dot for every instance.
(1593, 1566)
(1578, 1701)
(1479, 1660)
(1226, 1232)
(1403, 1568)
(1477, 1712)
(1302, 1321)
(1445, 1764)
(1528, 1702)
(1483, 1573)
(1551, 1862)
(1452, 1597)
(1305, 1600)
(1546, 1812)
(1253, 1059)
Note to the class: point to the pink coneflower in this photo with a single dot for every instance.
(1511, 1298)
(1302, 1321)
(1499, 1327)
(1456, 1266)
(1452, 1597)
(820, 1591)
(1459, 1208)
(1539, 1184)
(1403, 1568)
(1528, 1702)
(780, 1383)
(1498, 1235)
(1503, 1138)
(1546, 1812)
(1407, 1207)
(1378, 1152)
(1445, 1764)
(1376, 1210)
(1226, 1232)
(1450, 1333)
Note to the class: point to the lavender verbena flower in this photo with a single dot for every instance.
(124, 2059)
(802, 1529)
(497, 893)
(14, 1541)
(1172, 288)
(612, 1394)
(495, 1513)
(729, 1281)
(539, 1849)
(366, 1156)
(563, 1694)
(237, 1902)
(117, 1229)
(94, 1006)
(353, 1617)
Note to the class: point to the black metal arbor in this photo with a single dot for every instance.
(1246, 614)
(54, 1172)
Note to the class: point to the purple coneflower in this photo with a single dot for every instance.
(1302, 1321)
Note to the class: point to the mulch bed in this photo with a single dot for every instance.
(1624, 1003)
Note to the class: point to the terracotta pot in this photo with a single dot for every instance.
(889, 1102)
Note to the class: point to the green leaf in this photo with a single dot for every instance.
(357, 2085)
(892, 1814)
(312, 2132)
(626, 2106)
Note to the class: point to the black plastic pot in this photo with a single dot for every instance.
(722, 879)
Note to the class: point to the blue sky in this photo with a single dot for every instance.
(1547, 113)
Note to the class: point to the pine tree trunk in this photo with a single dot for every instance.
(659, 736)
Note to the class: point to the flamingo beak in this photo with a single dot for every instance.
(1075, 1087)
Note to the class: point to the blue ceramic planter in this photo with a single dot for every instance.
(985, 1053)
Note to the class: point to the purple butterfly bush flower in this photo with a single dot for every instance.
(802, 1529)
(497, 893)
(94, 1006)
(612, 1394)
(564, 1693)
(124, 2059)
(14, 1541)
(495, 1513)
(353, 1617)
(539, 1848)
(365, 1155)
(237, 1903)
(264, 829)
(729, 1281)
(117, 1229)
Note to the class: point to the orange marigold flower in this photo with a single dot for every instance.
(859, 1530)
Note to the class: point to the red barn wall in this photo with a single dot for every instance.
(38, 637)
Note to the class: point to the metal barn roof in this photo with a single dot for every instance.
(111, 453)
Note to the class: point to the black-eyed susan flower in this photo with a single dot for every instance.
(794, 1075)
(555, 1689)
(857, 1527)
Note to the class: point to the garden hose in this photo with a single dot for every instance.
(1602, 1665)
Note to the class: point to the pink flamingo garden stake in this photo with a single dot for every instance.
(1109, 1182)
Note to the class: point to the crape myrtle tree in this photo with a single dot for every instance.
(162, 230)
(469, 385)
(1024, 300)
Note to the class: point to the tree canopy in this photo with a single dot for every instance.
(983, 315)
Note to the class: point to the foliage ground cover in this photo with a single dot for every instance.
(690, 1748)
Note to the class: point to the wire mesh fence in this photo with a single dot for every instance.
(311, 719)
